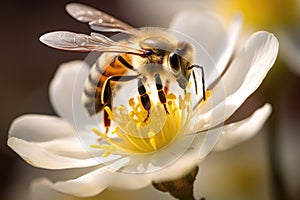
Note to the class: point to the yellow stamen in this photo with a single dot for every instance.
(108, 111)
(135, 136)
(97, 132)
(208, 94)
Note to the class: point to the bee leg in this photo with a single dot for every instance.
(161, 93)
(195, 82)
(106, 101)
(106, 95)
(203, 79)
(106, 118)
(145, 100)
(166, 87)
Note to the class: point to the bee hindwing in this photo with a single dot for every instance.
(98, 20)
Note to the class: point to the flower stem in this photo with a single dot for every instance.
(182, 188)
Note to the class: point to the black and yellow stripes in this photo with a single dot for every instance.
(100, 72)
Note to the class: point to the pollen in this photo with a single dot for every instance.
(133, 135)
(207, 94)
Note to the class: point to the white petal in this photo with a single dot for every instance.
(95, 182)
(129, 181)
(211, 138)
(167, 164)
(49, 132)
(148, 168)
(48, 142)
(38, 128)
(238, 132)
(92, 183)
(174, 170)
(41, 189)
(87, 185)
(243, 77)
(252, 64)
(62, 86)
(208, 31)
(178, 168)
(37, 156)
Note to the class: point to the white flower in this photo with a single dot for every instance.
(235, 174)
(125, 162)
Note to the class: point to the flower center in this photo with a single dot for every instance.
(262, 13)
(135, 135)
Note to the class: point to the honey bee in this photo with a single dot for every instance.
(149, 53)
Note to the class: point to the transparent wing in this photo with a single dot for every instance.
(80, 42)
(98, 21)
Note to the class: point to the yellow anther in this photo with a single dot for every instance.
(121, 108)
(131, 102)
(208, 94)
(116, 129)
(108, 111)
(95, 146)
(189, 85)
(131, 114)
(97, 132)
(139, 125)
(135, 135)
(106, 154)
(187, 97)
(171, 96)
(153, 143)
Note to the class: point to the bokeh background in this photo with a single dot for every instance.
(265, 167)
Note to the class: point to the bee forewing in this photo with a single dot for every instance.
(80, 42)
(101, 36)
(68, 41)
(98, 20)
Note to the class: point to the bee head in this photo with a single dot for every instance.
(179, 62)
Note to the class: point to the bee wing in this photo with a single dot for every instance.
(98, 20)
(80, 42)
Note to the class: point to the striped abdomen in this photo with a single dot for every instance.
(107, 65)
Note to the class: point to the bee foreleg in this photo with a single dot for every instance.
(203, 79)
(106, 95)
(166, 87)
(145, 99)
(195, 82)
(161, 93)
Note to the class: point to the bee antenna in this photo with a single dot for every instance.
(203, 79)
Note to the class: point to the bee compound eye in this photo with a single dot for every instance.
(174, 61)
